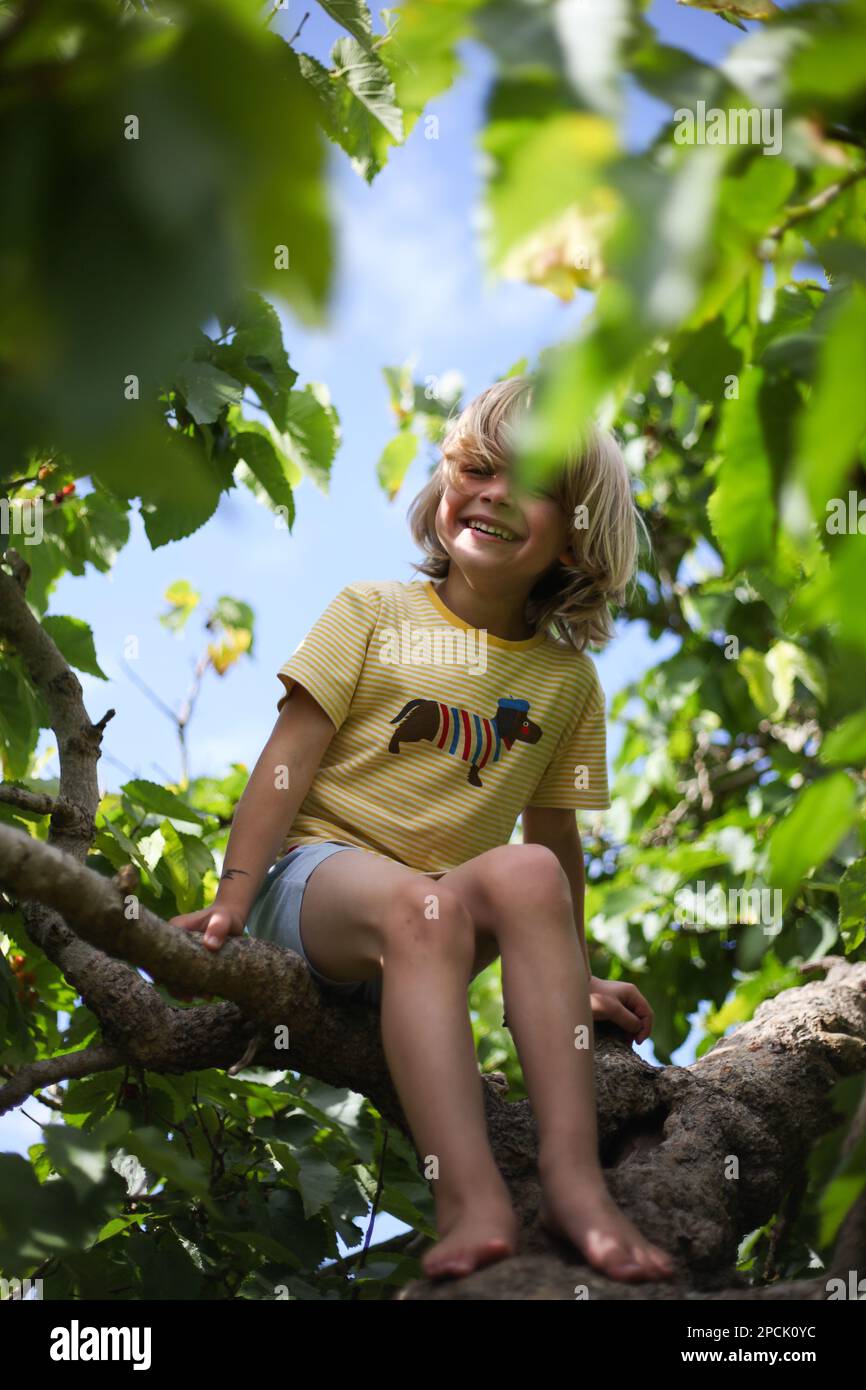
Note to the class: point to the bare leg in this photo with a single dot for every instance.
(546, 993)
(430, 1049)
(362, 911)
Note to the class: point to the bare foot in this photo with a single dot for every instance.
(471, 1236)
(579, 1208)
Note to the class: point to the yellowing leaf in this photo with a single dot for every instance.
(744, 9)
(770, 678)
(183, 599)
(541, 170)
(566, 254)
(235, 641)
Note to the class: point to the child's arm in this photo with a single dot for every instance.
(556, 828)
(264, 815)
(621, 1003)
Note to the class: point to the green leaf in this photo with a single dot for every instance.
(130, 852)
(166, 1160)
(263, 134)
(852, 905)
(833, 427)
(368, 81)
(207, 390)
(159, 800)
(256, 355)
(266, 464)
(38, 1220)
(183, 880)
(771, 678)
(422, 54)
(354, 16)
(312, 432)
(315, 1178)
(821, 815)
(591, 45)
(178, 484)
(707, 360)
(394, 462)
(77, 1156)
(675, 77)
(847, 743)
(74, 640)
(541, 166)
(741, 510)
(830, 67)
(753, 197)
(99, 531)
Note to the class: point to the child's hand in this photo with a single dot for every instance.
(216, 922)
(622, 1004)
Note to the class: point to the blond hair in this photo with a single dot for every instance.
(571, 601)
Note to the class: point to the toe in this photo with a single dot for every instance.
(625, 1270)
(663, 1262)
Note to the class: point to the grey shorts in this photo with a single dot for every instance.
(275, 915)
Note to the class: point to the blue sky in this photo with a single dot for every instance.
(410, 285)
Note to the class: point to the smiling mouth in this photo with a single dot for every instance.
(490, 532)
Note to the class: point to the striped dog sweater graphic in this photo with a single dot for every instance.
(472, 738)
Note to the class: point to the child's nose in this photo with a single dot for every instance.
(496, 490)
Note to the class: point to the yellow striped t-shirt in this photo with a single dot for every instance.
(444, 732)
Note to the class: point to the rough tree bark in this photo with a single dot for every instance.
(666, 1135)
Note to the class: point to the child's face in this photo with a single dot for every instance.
(539, 529)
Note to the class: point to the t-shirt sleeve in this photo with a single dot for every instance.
(329, 660)
(576, 775)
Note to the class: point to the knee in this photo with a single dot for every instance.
(521, 877)
(421, 913)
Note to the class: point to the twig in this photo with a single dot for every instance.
(374, 1208)
(817, 204)
(299, 28)
(250, 1051)
(151, 695)
(845, 136)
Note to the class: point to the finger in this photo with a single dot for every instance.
(634, 1000)
(627, 993)
(624, 1018)
(598, 1004)
(221, 924)
(189, 921)
(645, 1014)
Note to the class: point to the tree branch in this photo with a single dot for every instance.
(667, 1135)
(66, 1067)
